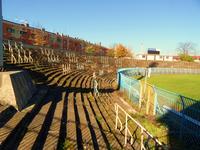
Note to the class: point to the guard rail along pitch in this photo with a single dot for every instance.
(140, 136)
(180, 113)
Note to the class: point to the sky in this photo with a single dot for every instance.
(138, 24)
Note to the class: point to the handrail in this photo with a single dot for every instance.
(127, 131)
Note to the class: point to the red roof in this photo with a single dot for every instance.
(196, 57)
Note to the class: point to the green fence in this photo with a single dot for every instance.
(181, 114)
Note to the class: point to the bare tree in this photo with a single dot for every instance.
(186, 48)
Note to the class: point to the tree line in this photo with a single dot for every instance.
(117, 51)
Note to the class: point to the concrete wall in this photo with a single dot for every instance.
(168, 58)
(16, 89)
(159, 57)
(154, 57)
(141, 57)
(150, 57)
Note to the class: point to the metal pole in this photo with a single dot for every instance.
(116, 109)
(141, 94)
(142, 140)
(145, 82)
(126, 129)
(155, 101)
(1, 37)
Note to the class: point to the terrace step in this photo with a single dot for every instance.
(69, 117)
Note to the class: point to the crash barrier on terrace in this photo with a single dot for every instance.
(180, 113)
(137, 134)
(67, 60)
(18, 52)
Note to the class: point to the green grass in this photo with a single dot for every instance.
(186, 85)
(153, 126)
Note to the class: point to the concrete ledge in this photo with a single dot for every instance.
(16, 89)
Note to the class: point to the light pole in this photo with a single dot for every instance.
(1, 36)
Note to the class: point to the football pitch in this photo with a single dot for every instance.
(186, 85)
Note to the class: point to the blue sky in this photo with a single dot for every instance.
(155, 23)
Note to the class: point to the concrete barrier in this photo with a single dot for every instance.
(16, 89)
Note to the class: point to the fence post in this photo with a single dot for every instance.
(129, 92)
(155, 100)
(145, 80)
(141, 93)
(142, 140)
(148, 100)
(182, 118)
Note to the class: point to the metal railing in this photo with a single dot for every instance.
(181, 114)
(174, 71)
(146, 140)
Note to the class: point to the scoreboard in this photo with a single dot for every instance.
(153, 51)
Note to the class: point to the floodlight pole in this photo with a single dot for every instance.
(1, 36)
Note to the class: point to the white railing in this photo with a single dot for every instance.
(143, 131)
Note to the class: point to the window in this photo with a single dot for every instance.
(10, 30)
(167, 57)
(22, 32)
(143, 56)
(160, 57)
